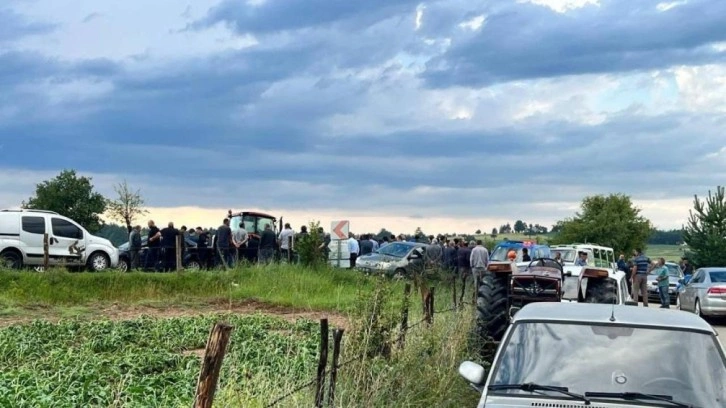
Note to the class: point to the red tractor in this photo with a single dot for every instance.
(254, 223)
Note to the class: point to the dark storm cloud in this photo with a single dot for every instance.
(14, 26)
(276, 15)
(528, 41)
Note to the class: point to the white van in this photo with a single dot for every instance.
(21, 241)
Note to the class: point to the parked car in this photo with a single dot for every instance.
(570, 355)
(705, 293)
(69, 244)
(396, 258)
(675, 274)
(190, 259)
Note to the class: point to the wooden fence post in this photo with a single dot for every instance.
(427, 308)
(404, 315)
(322, 363)
(453, 290)
(46, 249)
(337, 337)
(179, 252)
(289, 249)
(431, 305)
(213, 357)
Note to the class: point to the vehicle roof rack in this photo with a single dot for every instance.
(30, 210)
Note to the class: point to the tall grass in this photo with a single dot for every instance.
(284, 285)
(421, 374)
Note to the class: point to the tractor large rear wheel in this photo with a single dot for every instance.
(601, 291)
(492, 314)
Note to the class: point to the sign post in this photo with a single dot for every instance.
(339, 231)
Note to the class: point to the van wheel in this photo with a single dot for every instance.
(98, 262)
(11, 260)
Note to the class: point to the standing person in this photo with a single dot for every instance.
(641, 267)
(239, 240)
(168, 242)
(374, 243)
(267, 244)
(623, 266)
(663, 283)
(450, 258)
(223, 240)
(464, 266)
(353, 249)
(366, 246)
(324, 247)
(154, 243)
(386, 241)
(202, 249)
(285, 242)
(134, 247)
(479, 260)
(558, 258)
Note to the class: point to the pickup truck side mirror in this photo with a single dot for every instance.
(474, 374)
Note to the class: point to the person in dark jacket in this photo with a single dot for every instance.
(168, 242)
(203, 249)
(463, 256)
(153, 241)
(267, 244)
(366, 246)
(134, 247)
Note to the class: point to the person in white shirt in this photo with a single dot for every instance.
(353, 248)
(284, 240)
(239, 240)
(479, 260)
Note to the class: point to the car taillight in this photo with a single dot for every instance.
(716, 291)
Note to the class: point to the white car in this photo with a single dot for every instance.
(21, 242)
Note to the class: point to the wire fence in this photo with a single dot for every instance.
(361, 356)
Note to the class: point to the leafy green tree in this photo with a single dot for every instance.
(611, 221)
(127, 207)
(478, 232)
(705, 232)
(308, 245)
(494, 233)
(71, 196)
(520, 226)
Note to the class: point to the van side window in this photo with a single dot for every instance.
(34, 225)
(65, 229)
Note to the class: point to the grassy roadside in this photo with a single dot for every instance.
(59, 293)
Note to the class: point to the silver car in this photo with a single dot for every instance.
(705, 294)
(396, 258)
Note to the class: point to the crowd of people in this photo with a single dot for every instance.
(224, 247)
(461, 258)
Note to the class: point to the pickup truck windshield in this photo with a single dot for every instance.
(686, 365)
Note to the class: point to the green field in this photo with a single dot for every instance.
(79, 354)
(669, 252)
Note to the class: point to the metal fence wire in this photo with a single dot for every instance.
(312, 382)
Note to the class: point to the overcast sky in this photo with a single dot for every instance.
(450, 115)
